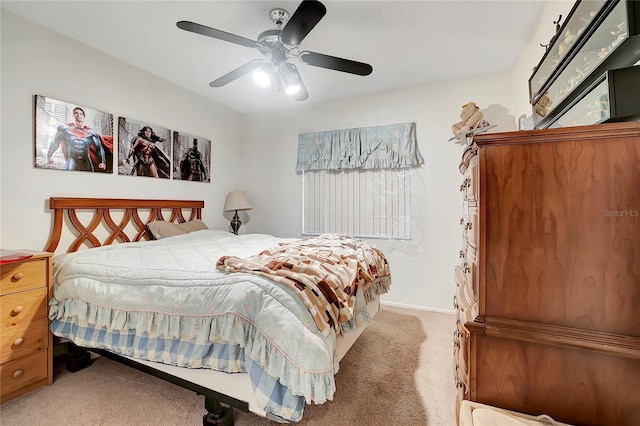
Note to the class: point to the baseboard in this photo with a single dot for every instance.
(419, 308)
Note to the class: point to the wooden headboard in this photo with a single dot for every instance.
(130, 228)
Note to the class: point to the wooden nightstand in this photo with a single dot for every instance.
(25, 340)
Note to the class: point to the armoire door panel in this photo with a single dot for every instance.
(563, 232)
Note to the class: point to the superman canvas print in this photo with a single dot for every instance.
(72, 137)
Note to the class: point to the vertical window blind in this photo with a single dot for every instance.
(366, 204)
(358, 181)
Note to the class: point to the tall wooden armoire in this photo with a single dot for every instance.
(548, 288)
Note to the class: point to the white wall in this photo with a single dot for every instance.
(422, 279)
(38, 61)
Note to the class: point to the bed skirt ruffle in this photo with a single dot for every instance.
(228, 343)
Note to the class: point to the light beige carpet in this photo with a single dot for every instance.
(399, 372)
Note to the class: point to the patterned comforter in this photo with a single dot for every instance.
(326, 273)
(166, 301)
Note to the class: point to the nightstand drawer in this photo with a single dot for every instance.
(22, 308)
(20, 276)
(23, 340)
(23, 372)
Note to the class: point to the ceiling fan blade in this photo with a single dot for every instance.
(237, 73)
(219, 34)
(306, 16)
(333, 63)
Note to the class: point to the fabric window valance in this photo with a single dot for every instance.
(381, 147)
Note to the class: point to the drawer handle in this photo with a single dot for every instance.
(18, 341)
(17, 310)
(18, 373)
(18, 276)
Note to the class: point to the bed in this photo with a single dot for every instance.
(250, 321)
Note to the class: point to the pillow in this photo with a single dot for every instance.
(162, 229)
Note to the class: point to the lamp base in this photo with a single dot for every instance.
(235, 223)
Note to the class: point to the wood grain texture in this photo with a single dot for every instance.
(558, 274)
(562, 232)
(26, 346)
(117, 231)
(573, 386)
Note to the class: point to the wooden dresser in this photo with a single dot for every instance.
(466, 274)
(548, 287)
(25, 339)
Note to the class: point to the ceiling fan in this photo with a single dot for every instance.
(278, 46)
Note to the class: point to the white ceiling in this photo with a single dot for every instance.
(406, 42)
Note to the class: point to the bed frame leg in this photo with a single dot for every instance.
(77, 358)
(218, 415)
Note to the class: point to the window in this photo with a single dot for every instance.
(361, 203)
(358, 181)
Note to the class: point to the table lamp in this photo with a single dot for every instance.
(236, 201)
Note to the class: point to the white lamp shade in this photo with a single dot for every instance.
(237, 200)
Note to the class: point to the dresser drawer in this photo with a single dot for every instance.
(463, 304)
(458, 276)
(460, 395)
(23, 340)
(471, 254)
(20, 276)
(23, 372)
(456, 350)
(471, 227)
(471, 192)
(463, 350)
(22, 308)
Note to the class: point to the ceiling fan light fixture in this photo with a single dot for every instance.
(261, 78)
(277, 85)
(290, 78)
(292, 89)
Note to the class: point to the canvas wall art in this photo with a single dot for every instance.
(72, 137)
(192, 158)
(143, 149)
